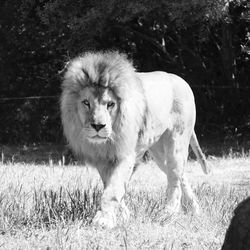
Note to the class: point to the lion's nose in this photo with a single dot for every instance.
(98, 127)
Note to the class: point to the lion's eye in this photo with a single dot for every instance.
(110, 105)
(86, 103)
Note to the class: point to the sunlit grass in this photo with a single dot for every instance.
(51, 207)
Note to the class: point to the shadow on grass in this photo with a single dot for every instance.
(64, 205)
(46, 208)
(37, 154)
(62, 155)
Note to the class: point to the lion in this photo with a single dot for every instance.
(112, 114)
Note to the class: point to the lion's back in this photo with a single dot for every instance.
(167, 94)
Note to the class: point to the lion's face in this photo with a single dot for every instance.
(102, 107)
(97, 109)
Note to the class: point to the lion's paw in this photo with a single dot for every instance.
(104, 219)
(192, 206)
(173, 206)
(195, 207)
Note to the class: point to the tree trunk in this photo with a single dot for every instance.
(228, 59)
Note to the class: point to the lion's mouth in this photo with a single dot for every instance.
(97, 138)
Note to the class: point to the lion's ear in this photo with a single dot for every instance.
(85, 72)
(64, 69)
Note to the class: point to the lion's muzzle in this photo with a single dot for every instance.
(97, 127)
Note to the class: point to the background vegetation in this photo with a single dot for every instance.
(207, 42)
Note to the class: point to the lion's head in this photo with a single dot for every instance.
(97, 109)
(102, 106)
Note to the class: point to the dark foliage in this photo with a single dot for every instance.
(205, 42)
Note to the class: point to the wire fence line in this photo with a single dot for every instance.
(11, 99)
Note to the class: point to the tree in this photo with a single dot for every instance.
(204, 41)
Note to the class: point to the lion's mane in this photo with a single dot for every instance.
(112, 70)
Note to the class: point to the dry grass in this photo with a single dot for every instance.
(51, 207)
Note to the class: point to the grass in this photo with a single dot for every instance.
(47, 206)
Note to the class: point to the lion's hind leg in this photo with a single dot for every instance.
(189, 200)
(170, 154)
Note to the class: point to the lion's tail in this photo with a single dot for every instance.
(199, 154)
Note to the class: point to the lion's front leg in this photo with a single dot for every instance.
(115, 179)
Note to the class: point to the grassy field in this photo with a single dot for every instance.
(47, 206)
